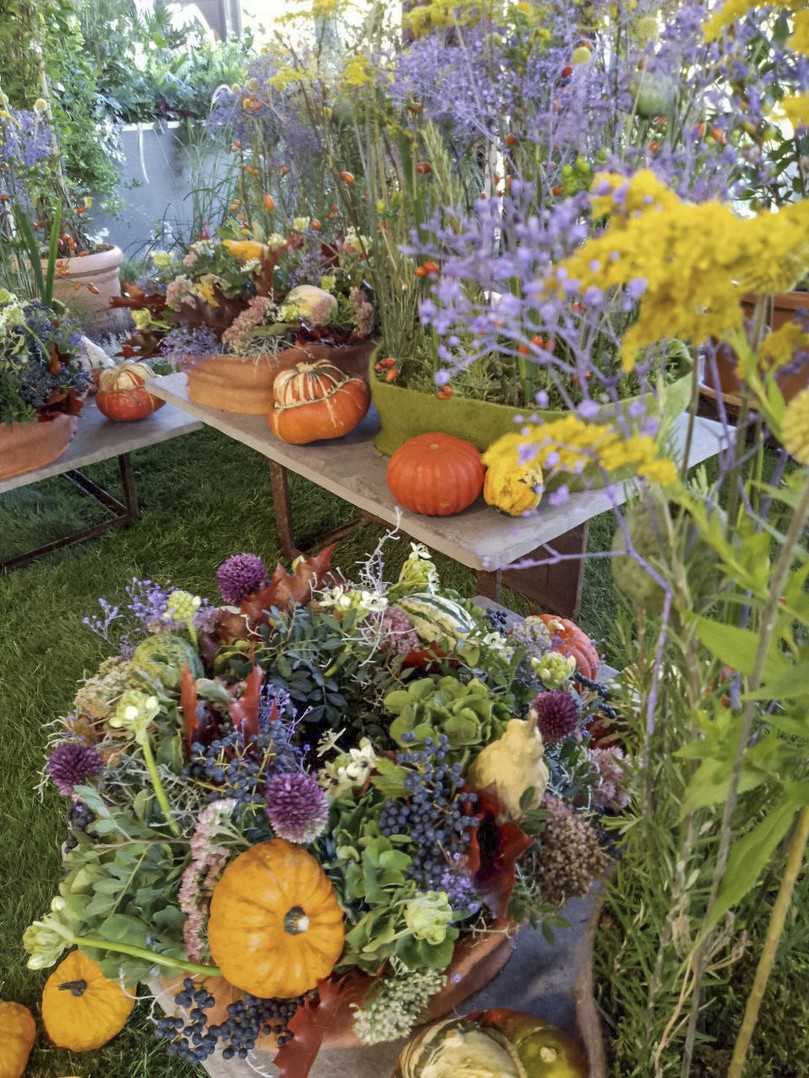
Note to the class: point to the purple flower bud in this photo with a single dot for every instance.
(240, 575)
(442, 378)
(588, 409)
(559, 496)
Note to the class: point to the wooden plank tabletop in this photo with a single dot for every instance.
(352, 469)
(98, 438)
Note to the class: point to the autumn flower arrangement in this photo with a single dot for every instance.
(421, 774)
(250, 295)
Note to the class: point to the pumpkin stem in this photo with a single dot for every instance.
(296, 921)
(76, 988)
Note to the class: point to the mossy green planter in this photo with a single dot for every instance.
(404, 413)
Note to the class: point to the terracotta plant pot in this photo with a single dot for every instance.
(87, 283)
(726, 382)
(404, 413)
(25, 447)
(244, 384)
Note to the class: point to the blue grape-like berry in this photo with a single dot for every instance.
(433, 815)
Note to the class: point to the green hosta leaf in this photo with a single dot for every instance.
(748, 858)
(737, 647)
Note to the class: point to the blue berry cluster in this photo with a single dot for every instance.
(194, 1040)
(434, 813)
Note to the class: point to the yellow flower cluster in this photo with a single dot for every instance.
(694, 261)
(799, 41)
(780, 346)
(435, 14)
(733, 10)
(358, 71)
(570, 445)
(797, 109)
(795, 428)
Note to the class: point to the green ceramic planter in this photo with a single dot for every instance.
(404, 413)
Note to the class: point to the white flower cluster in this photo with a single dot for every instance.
(348, 771)
(397, 1006)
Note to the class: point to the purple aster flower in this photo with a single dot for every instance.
(70, 764)
(560, 495)
(240, 575)
(297, 807)
(557, 715)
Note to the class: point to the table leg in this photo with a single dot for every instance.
(279, 481)
(488, 585)
(129, 488)
(554, 586)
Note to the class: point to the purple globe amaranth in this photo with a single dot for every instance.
(557, 715)
(240, 575)
(71, 764)
(297, 807)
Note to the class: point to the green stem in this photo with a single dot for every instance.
(146, 955)
(158, 787)
(797, 848)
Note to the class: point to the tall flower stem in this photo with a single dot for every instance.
(147, 955)
(157, 785)
(797, 848)
(767, 625)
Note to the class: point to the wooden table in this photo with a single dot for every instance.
(97, 439)
(480, 538)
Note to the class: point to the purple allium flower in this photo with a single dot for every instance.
(239, 575)
(297, 807)
(557, 715)
(71, 764)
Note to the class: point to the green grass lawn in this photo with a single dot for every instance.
(202, 497)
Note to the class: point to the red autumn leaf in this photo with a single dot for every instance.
(244, 711)
(188, 705)
(316, 1016)
(496, 845)
(285, 590)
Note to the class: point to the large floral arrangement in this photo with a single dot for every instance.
(40, 372)
(251, 292)
(323, 792)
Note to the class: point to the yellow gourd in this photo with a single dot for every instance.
(513, 765)
(17, 1035)
(81, 1008)
(510, 485)
(276, 928)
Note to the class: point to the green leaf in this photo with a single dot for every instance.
(792, 682)
(748, 858)
(737, 647)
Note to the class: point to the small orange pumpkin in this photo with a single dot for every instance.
(436, 474)
(81, 1008)
(122, 395)
(317, 400)
(275, 927)
(569, 639)
(17, 1035)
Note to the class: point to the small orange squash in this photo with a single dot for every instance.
(275, 927)
(81, 1008)
(122, 395)
(435, 474)
(317, 400)
(17, 1035)
(569, 639)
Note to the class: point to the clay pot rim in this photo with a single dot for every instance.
(108, 257)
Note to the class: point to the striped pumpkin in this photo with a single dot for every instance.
(315, 401)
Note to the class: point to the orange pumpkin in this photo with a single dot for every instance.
(317, 400)
(275, 927)
(122, 395)
(569, 639)
(17, 1035)
(436, 474)
(81, 1008)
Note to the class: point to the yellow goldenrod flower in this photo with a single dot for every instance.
(285, 76)
(797, 109)
(733, 10)
(780, 346)
(799, 41)
(690, 264)
(205, 288)
(245, 250)
(357, 72)
(795, 428)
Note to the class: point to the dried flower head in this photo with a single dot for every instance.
(557, 715)
(297, 808)
(71, 764)
(571, 855)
